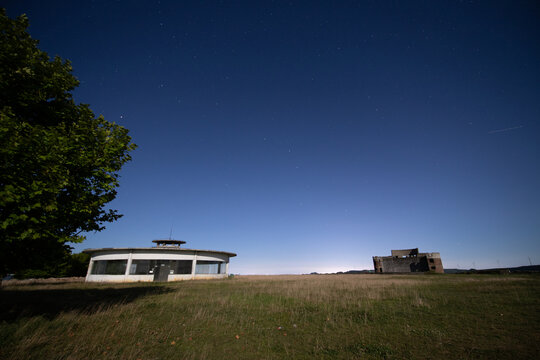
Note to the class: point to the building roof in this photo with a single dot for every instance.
(158, 248)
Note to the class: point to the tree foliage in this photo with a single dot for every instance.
(59, 163)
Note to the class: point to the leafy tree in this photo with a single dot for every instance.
(59, 163)
(74, 265)
(78, 264)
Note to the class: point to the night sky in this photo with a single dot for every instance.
(309, 136)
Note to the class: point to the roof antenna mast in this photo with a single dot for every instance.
(170, 234)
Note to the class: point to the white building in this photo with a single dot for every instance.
(165, 262)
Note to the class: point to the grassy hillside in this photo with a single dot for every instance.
(277, 317)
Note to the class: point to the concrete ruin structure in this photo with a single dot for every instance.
(164, 262)
(408, 261)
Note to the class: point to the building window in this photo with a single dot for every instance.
(140, 267)
(183, 266)
(147, 267)
(210, 267)
(109, 267)
(433, 268)
(431, 260)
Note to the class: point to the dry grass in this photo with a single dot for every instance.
(276, 317)
(15, 282)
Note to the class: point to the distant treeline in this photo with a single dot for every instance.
(513, 270)
(346, 272)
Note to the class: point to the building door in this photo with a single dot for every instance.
(161, 272)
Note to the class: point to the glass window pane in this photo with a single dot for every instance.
(109, 267)
(98, 267)
(183, 267)
(140, 267)
(208, 267)
(116, 267)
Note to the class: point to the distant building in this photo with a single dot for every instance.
(164, 262)
(408, 261)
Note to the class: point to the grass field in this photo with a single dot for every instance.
(277, 317)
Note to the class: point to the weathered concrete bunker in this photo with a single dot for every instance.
(408, 261)
(164, 262)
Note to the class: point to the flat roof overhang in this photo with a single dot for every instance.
(158, 249)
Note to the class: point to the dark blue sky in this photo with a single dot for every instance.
(310, 136)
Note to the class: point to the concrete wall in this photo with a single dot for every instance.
(150, 278)
(409, 264)
(435, 265)
(404, 265)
